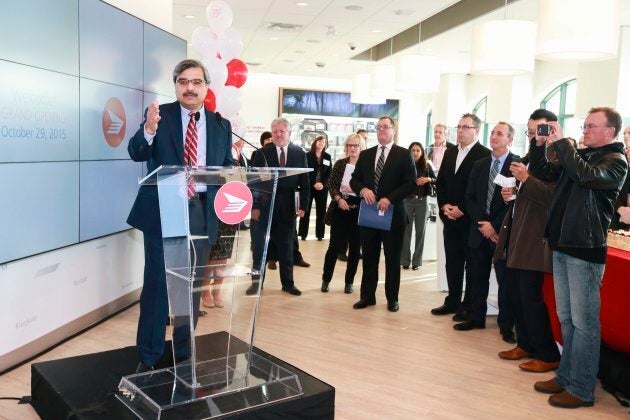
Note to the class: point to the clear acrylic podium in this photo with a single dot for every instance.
(211, 378)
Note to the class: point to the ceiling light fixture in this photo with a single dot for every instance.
(503, 47)
(360, 93)
(418, 73)
(566, 30)
(383, 77)
(353, 8)
(301, 3)
(189, 16)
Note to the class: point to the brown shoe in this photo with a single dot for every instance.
(516, 353)
(539, 366)
(566, 400)
(302, 263)
(272, 265)
(548, 387)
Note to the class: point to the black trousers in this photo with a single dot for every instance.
(371, 241)
(533, 327)
(457, 256)
(343, 230)
(320, 198)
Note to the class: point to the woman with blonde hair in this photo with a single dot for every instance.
(343, 216)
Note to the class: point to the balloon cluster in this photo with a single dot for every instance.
(219, 45)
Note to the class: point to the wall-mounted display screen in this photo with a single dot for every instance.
(72, 93)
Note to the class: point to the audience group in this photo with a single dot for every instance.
(545, 212)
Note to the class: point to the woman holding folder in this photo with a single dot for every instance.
(342, 216)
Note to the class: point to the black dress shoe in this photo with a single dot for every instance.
(461, 316)
(325, 286)
(142, 368)
(271, 264)
(348, 289)
(342, 257)
(252, 289)
(302, 263)
(442, 310)
(393, 307)
(405, 267)
(292, 290)
(468, 325)
(508, 337)
(363, 304)
(415, 267)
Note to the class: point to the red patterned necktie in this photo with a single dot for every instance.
(190, 150)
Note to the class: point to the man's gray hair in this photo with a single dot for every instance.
(282, 121)
(184, 65)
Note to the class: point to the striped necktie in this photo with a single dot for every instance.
(190, 149)
(494, 170)
(379, 168)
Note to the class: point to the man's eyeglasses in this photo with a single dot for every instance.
(530, 133)
(384, 127)
(591, 126)
(465, 127)
(195, 82)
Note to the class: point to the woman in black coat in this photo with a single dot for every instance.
(319, 160)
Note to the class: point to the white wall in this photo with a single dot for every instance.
(156, 12)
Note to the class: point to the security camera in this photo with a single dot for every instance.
(320, 64)
(352, 46)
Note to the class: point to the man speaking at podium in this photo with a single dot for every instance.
(178, 133)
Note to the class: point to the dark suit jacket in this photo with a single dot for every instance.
(322, 169)
(451, 187)
(167, 148)
(397, 179)
(476, 197)
(284, 207)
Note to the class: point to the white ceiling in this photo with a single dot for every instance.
(296, 53)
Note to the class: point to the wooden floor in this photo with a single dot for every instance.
(405, 365)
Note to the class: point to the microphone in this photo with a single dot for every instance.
(197, 116)
(220, 121)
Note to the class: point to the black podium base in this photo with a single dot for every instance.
(84, 387)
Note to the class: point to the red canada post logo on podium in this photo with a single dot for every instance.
(233, 202)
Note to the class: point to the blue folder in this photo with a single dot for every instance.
(370, 216)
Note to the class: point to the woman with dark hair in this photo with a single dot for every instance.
(343, 216)
(416, 207)
(319, 160)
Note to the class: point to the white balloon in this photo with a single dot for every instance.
(229, 101)
(230, 44)
(204, 41)
(219, 15)
(218, 72)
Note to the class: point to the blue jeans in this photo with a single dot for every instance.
(577, 283)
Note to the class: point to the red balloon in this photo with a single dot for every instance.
(210, 101)
(237, 73)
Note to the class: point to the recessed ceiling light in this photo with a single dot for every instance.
(299, 52)
(301, 3)
(289, 61)
(273, 38)
(190, 44)
(189, 16)
(404, 12)
(353, 8)
(313, 41)
(376, 31)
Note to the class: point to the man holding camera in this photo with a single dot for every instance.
(579, 216)
(521, 243)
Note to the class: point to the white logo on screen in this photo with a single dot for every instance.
(116, 124)
(236, 204)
